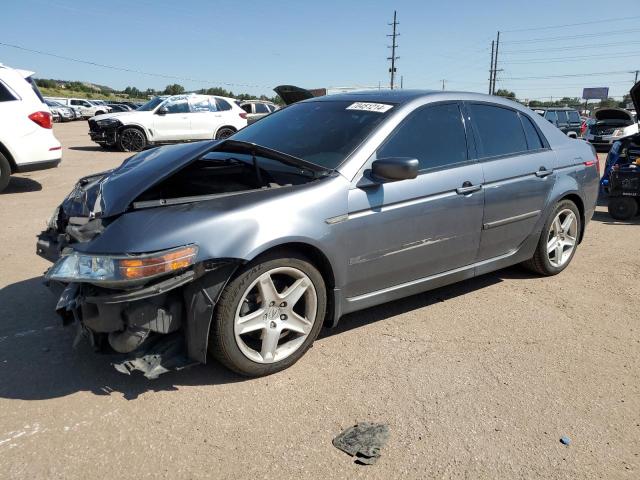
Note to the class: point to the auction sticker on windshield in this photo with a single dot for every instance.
(370, 107)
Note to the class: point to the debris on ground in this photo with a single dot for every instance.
(565, 440)
(363, 441)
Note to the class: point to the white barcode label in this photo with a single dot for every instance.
(370, 107)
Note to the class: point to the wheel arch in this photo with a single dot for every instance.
(12, 163)
(319, 260)
(224, 126)
(577, 199)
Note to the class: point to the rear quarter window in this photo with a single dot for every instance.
(574, 117)
(533, 138)
(5, 94)
(223, 105)
(499, 129)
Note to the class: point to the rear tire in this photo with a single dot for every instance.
(5, 172)
(254, 332)
(622, 208)
(551, 258)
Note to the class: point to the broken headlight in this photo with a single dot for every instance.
(117, 269)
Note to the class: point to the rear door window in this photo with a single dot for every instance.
(552, 116)
(574, 117)
(435, 135)
(530, 132)
(261, 108)
(562, 116)
(499, 129)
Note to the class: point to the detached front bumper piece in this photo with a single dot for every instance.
(153, 328)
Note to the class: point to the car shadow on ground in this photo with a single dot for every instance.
(37, 360)
(91, 148)
(604, 217)
(21, 185)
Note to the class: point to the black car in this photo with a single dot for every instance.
(566, 119)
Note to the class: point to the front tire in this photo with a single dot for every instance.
(268, 316)
(132, 139)
(224, 132)
(622, 208)
(559, 240)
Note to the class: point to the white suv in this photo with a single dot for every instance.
(26, 137)
(179, 118)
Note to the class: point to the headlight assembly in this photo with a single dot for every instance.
(107, 121)
(120, 269)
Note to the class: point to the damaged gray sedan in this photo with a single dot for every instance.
(244, 248)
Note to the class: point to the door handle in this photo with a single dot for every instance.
(467, 188)
(543, 172)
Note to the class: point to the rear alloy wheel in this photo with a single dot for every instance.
(268, 316)
(622, 208)
(224, 132)
(132, 140)
(559, 240)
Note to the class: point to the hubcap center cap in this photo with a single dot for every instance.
(273, 313)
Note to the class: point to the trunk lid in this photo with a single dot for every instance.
(635, 96)
(613, 114)
(292, 94)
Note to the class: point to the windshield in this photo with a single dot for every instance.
(324, 133)
(151, 104)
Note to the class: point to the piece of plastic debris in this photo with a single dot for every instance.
(565, 440)
(363, 441)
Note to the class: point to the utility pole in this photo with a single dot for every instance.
(493, 44)
(393, 47)
(636, 80)
(401, 82)
(443, 81)
(495, 65)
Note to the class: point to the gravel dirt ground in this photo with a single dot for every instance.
(476, 380)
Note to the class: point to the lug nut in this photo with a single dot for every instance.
(283, 317)
(273, 325)
(271, 304)
(283, 304)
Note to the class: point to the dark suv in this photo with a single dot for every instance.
(566, 119)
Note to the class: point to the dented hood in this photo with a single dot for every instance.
(111, 193)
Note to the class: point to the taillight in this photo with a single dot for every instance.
(243, 115)
(42, 118)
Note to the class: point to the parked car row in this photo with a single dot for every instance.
(27, 142)
(86, 108)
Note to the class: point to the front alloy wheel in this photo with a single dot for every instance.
(268, 315)
(132, 140)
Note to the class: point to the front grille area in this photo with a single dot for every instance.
(93, 126)
(602, 130)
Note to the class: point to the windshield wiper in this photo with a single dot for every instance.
(254, 148)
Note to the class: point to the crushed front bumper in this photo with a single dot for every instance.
(156, 328)
(102, 134)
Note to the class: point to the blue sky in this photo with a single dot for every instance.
(251, 46)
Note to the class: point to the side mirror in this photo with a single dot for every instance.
(395, 169)
(162, 111)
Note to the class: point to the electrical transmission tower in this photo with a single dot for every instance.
(393, 46)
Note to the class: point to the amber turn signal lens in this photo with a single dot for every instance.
(137, 268)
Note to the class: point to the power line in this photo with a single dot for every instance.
(593, 22)
(572, 58)
(129, 70)
(569, 37)
(569, 75)
(569, 47)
